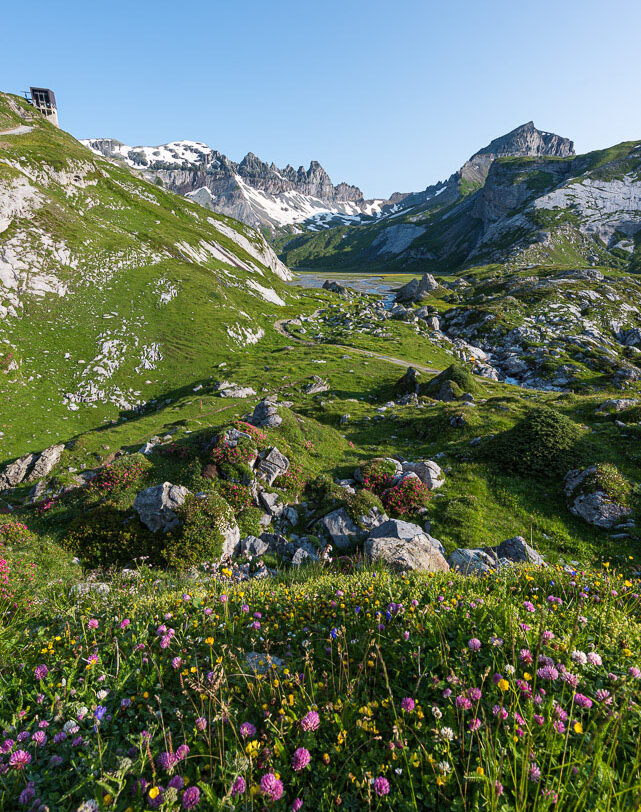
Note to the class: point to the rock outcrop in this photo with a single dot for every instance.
(588, 501)
(416, 290)
(31, 467)
(156, 505)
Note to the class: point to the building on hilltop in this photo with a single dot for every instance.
(44, 100)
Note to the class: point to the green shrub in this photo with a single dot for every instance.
(109, 535)
(611, 481)
(360, 503)
(200, 536)
(460, 379)
(542, 444)
(249, 522)
(236, 495)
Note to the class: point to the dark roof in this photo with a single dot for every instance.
(50, 93)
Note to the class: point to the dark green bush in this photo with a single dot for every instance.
(109, 535)
(200, 536)
(543, 444)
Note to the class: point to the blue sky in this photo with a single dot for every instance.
(390, 96)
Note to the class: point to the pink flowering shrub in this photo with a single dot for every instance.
(123, 474)
(407, 498)
(14, 533)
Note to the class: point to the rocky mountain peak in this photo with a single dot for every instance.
(523, 142)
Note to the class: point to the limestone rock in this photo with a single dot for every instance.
(340, 528)
(429, 472)
(316, 386)
(45, 463)
(14, 473)
(156, 506)
(405, 546)
(253, 546)
(518, 551)
(591, 504)
(473, 562)
(335, 287)
(266, 415)
(415, 290)
(271, 464)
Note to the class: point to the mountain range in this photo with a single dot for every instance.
(526, 197)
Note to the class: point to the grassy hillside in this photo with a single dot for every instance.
(111, 289)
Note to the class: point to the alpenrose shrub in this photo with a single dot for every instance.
(512, 693)
(377, 474)
(407, 498)
(122, 474)
(14, 533)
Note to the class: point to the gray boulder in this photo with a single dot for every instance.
(45, 463)
(405, 546)
(340, 528)
(429, 472)
(31, 467)
(14, 473)
(334, 287)
(473, 562)
(271, 464)
(415, 290)
(518, 551)
(591, 504)
(254, 546)
(156, 506)
(271, 502)
(236, 391)
(266, 415)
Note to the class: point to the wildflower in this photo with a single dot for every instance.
(381, 786)
(271, 786)
(634, 672)
(311, 721)
(497, 710)
(570, 679)
(191, 798)
(535, 774)
(525, 656)
(182, 752)
(176, 663)
(578, 728)
(247, 730)
(447, 733)
(175, 782)
(602, 695)
(165, 761)
(475, 694)
(297, 804)
(503, 685)
(594, 658)
(548, 672)
(201, 723)
(474, 644)
(436, 712)
(99, 713)
(408, 704)
(474, 724)
(300, 759)
(239, 786)
(463, 702)
(20, 759)
(529, 607)
(124, 623)
(93, 623)
(27, 794)
(40, 738)
(579, 657)
(40, 672)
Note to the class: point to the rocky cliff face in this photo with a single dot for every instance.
(253, 191)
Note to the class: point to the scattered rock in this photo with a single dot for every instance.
(31, 467)
(334, 287)
(156, 506)
(481, 560)
(271, 502)
(316, 386)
